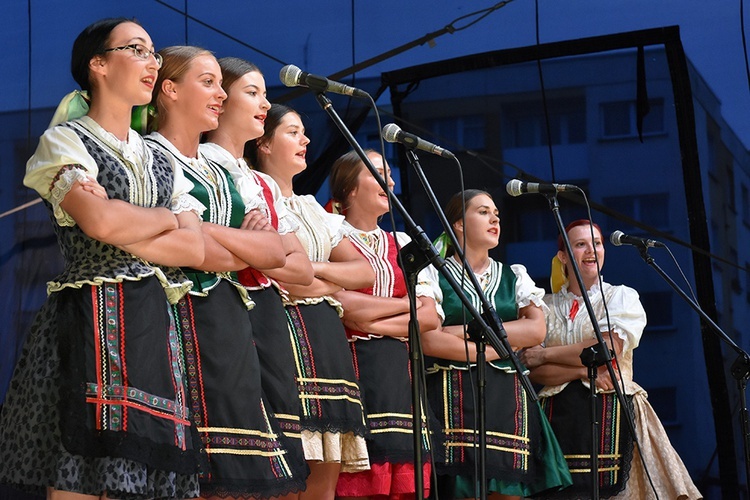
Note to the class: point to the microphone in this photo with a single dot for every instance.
(619, 238)
(517, 187)
(393, 133)
(291, 76)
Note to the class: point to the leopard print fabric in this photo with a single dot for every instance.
(91, 261)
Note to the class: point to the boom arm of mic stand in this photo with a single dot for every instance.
(740, 368)
(592, 356)
(489, 323)
(423, 243)
(412, 262)
(716, 328)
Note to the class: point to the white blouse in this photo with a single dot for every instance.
(61, 146)
(247, 184)
(626, 318)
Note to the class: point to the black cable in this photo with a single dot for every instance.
(216, 30)
(744, 41)
(185, 17)
(28, 87)
(547, 127)
(484, 13)
(543, 90)
(428, 38)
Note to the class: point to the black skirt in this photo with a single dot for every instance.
(248, 455)
(97, 402)
(328, 388)
(273, 340)
(569, 414)
(383, 369)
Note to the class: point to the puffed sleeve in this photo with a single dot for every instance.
(428, 284)
(182, 200)
(59, 161)
(626, 316)
(333, 222)
(250, 191)
(526, 290)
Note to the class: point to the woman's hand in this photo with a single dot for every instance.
(90, 185)
(532, 357)
(603, 380)
(256, 221)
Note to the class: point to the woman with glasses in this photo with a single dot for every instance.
(97, 405)
(247, 453)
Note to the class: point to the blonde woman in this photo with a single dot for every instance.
(248, 456)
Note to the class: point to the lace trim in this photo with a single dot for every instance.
(256, 202)
(56, 286)
(287, 225)
(226, 276)
(337, 238)
(187, 203)
(174, 291)
(343, 429)
(293, 300)
(371, 336)
(256, 489)
(531, 299)
(445, 365)
(61, 185)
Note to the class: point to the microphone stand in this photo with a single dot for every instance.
(415, 256)
(476, 335)
(592, 357)
(740, 368)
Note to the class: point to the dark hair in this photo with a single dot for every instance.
(234, 68)
(345, 174)
(454, 210)
(575, 223)
(90, 42)
(275, 114)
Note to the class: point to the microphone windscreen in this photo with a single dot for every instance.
(289, 75)
(614, 238)
(514, 187)
(390, 132)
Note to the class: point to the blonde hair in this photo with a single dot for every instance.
(177, 60)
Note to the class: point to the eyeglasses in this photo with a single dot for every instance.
(140, 52)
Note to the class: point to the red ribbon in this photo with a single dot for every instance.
(573, 310)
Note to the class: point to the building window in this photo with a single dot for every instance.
(658, 306)
(529, 219)
(525, 124)
(745, 200)
(734, 271)
(465, 131)
(728, 185)
(651, 209)
(619, 119)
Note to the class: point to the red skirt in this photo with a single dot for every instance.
(385, 480)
